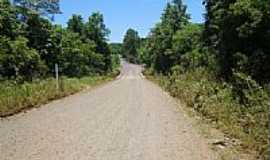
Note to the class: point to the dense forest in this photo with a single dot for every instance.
(219, 68)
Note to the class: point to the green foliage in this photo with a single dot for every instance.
(218, 69)
(96, 31)
(18, 61)
(160, 43)
(131, 45)
(31, 45)
(76, 24)
(175, 16)
(115, 62)
(38, 32)
(143, 50)
(187, 50)
(116, 48)
(53, 48)
(43, 7)
(78, 58)
(239, 27)
(9, 25)
(187, 39)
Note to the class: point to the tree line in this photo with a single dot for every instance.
(31, 45)
(220, 67)
(233, 39)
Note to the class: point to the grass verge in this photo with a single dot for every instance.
(15, 98)
(215, 102)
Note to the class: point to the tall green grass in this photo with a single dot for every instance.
(17, 97)
(216, 102)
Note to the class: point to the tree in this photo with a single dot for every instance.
(42, 7)
(131, 46)
(78, 58)
(38, 32)
(44, 38)
(9, 25)
(144, 52)
(96, 31)
(187, 47)
(53, 47)
(187, 39)
(116, 48)
(19, 62)
(76, 24)
(174, 18)
(238, 31)
(30, 45)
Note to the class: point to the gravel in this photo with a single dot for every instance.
(127, 119)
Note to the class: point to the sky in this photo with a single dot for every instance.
(120, 15)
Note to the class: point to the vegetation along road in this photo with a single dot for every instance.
(127, 119)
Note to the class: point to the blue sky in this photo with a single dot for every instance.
(120, 15)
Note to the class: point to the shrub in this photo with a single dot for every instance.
(17, 61)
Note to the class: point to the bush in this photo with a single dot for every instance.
(17, 61)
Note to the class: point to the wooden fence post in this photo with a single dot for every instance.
(57, 76)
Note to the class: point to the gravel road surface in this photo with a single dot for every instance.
(127, 119)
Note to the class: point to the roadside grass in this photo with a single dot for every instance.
(215, 102)
(15, 98)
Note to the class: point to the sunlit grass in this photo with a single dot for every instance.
(17, 97)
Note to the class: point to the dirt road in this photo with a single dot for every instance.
(127, 119)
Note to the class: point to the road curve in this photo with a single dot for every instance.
(127, 119)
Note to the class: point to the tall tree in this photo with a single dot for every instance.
(239, 33)
(173, 19)
(38, 32)
(75, 24)
(96, 31)
(9, 25)
(175, 15)
(79, 58)
(131, 46)
(43, 7)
